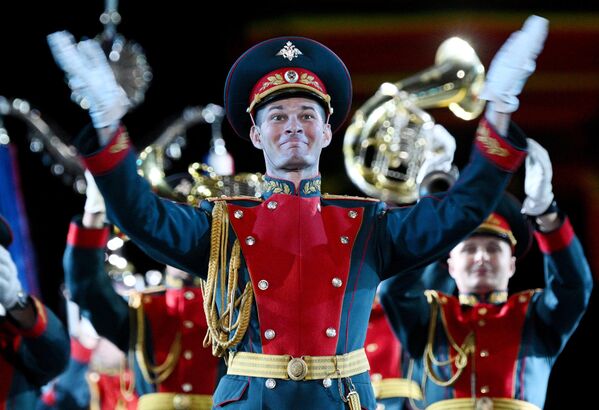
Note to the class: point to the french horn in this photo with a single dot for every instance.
(385, 143)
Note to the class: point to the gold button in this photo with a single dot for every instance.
(269, 334)
(188, 354)
(186, 387)
(331, 332)
(188, 324)
(344, 240)
(94, 377)
(250, 240)
(482, 311)
(270, 383)
(147, 299)
(263, 284)
(189, 295)
(371, 347)
(485, 390)
(481, 323)
(522, 298)
(484, 353)
(443, 299)
(181, 402)
(337, 282)
(238, 214)
(352, 214)
(327, 383)
(272, 205)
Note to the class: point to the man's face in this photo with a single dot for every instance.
(481, 264)
(292, 133)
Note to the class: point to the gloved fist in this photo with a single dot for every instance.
(90, 75)
(537, 182)
(10, 285)
(440, 149)
(95, 201)
(513, 64)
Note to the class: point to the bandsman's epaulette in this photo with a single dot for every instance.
(234, 198)
(349, 197)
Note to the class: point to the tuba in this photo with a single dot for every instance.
(201, 181)
(385, 144)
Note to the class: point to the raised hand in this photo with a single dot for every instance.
(537, 181)
(439, 153)
(10, 285)
(513, 64)
(89, 73)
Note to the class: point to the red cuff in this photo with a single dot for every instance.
(41, 321)
(111, 155)
(496, 149)
(557, 240)
(81, 237)
(49, 397)
(79, 352)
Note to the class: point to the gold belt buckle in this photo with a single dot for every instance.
(181, 402)
(297, 369)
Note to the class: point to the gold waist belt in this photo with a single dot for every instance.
(482, 403)
(298, 368)
(395, 387)
(174, 401)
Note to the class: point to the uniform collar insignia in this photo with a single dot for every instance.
(495, 297)
(307, 187)
(289, 51)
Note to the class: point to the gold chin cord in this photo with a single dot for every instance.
(224, 329)
(385, 145)
(462, 352)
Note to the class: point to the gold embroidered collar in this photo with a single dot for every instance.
(307, 187)
(496, 297)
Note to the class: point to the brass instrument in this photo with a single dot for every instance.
(125, 57)
(384, 145)
(203, 181)
(43, 138)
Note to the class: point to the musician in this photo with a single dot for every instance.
(34, 345)
(395, 376)
(97, 376)
(486, 348)
(163, 327)
(291, 276)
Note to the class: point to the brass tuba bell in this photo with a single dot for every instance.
(385, 144)
(201, 180)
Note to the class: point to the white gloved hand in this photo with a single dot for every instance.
(440, 149)
(537, 182)
(95, 201)
(89, 74)
(87, 334)
(10, 285)
(513, 64)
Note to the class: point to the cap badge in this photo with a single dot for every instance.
(289, 51)
(291, 76)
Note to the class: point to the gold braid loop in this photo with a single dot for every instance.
(462, 352)
(220, 327)
(153, 374)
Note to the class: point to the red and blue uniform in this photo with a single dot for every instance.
(313, 261)
(79, 388)
(30, 358)
(511, 342)
(168, 326)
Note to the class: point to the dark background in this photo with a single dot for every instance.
(190, 50)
